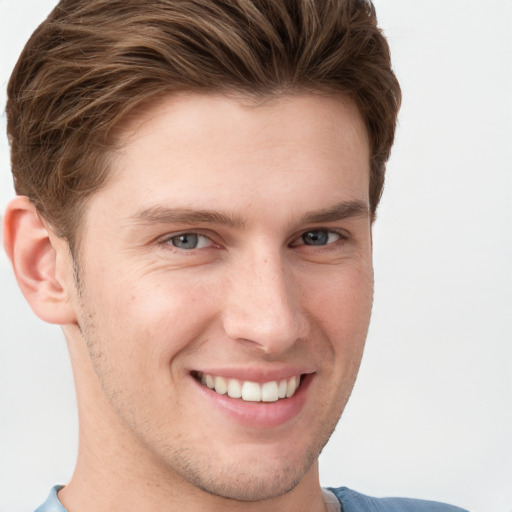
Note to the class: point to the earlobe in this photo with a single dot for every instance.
(43, 269)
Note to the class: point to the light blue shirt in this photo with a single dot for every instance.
(52, 503)
(350, 501)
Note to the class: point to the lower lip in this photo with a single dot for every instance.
(259, 414)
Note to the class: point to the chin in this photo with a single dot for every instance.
(252, 474)
(252, 485)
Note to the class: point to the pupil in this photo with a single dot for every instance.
(187, 241)
(315, 238)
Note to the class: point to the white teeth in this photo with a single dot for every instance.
(251, 392)
(270, 391)
(292, 387)
(283, 386)
(221, 385)
(234, 388)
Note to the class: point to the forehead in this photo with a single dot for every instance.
(210, 150)
(241, 116)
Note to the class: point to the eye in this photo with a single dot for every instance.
(189, 241)
(319, 237)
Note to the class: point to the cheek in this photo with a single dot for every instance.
(342, 313)
(149, 320)
(345, 298)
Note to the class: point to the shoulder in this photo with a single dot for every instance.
(52, 503)
(353, 501)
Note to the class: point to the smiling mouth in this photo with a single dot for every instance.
(248, 391)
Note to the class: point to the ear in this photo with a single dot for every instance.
(41, 261)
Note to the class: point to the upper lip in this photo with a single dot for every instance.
(255, 374)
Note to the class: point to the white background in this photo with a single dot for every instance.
(431, 414)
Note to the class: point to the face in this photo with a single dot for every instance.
(226, 288)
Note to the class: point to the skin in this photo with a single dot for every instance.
(252, 296)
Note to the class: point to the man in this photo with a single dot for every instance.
(197, 184)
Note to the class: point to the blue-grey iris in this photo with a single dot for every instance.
(185, 241)
(316, 237)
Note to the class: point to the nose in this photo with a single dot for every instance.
(264, 304)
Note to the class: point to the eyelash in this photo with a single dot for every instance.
(341, 238)
(167, 241)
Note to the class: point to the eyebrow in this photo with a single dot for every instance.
(340, 211)
(164, 215)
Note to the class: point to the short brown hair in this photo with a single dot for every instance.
(92, 61)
